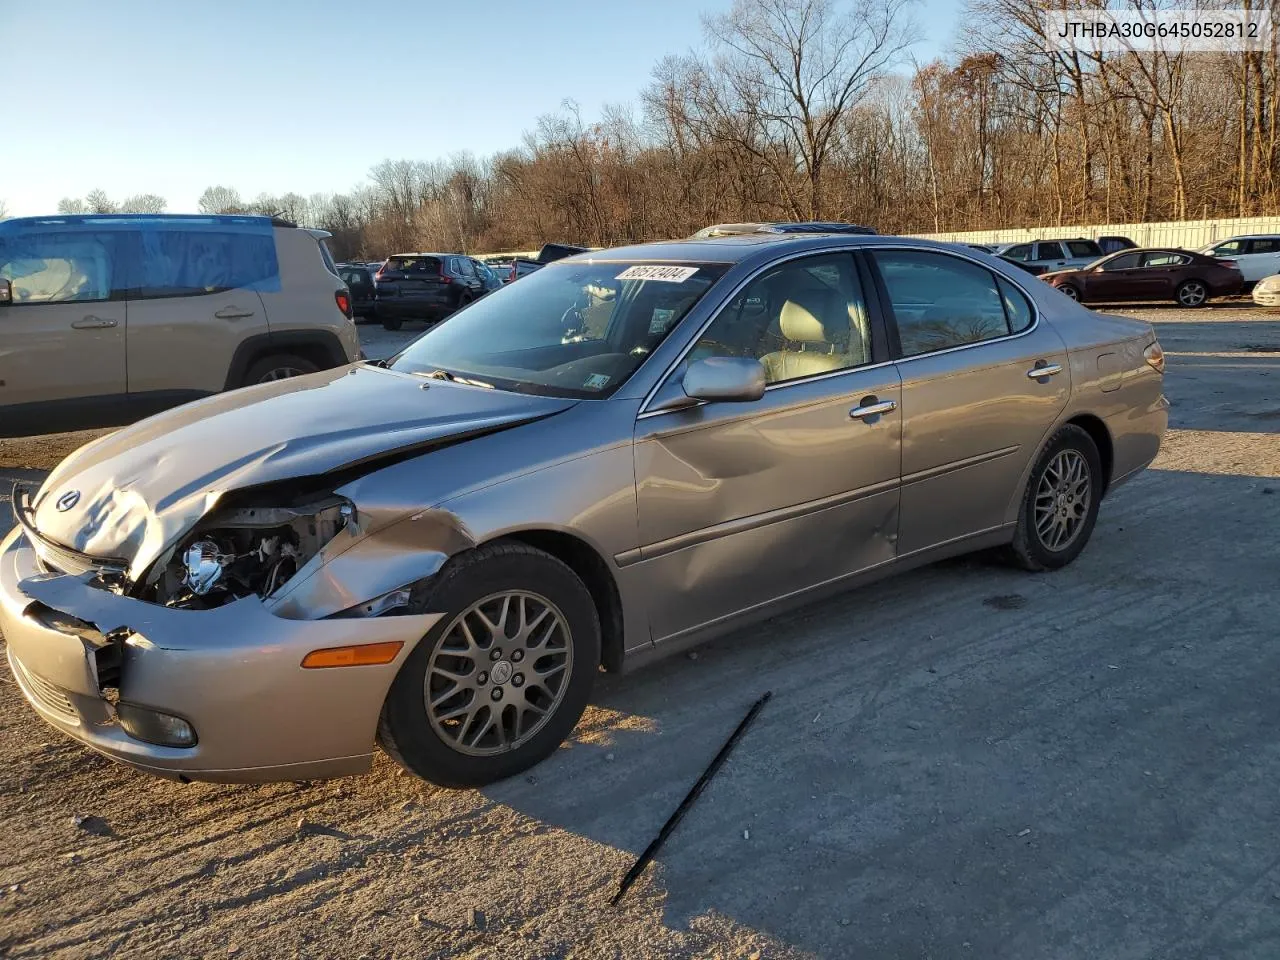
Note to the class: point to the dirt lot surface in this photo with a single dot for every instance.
(963, 762)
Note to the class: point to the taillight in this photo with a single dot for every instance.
(343, 300)
(1229, 263)
(1154, 357)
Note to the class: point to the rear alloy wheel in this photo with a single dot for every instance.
(1192, 293)
(1070, 291)
(1060, 505)
(280, 366)
(499, 682)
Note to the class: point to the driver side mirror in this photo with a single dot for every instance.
(6, 293)
(718, 380)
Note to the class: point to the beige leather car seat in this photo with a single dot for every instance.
(813, 351)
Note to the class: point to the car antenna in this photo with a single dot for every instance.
(643, 860)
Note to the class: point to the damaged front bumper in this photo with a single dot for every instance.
(233, 673)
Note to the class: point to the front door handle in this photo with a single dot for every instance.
(1044, 370)
(94, 323)
(871, 407)
(233, 313)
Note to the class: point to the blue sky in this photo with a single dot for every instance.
(270, 96)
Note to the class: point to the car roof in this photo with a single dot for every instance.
(126, 219)
(746, 246)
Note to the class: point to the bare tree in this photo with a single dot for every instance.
(98, 202)
(72, 205)
(4, 210)
(143, 203)
(794, 67)
(221, 199)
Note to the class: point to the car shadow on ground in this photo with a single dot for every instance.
(973, 761)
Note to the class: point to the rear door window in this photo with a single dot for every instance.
(1049, 250)
(1083, 248)
(941, 302)
(189, 263)
(1265, 245)
(72, 267)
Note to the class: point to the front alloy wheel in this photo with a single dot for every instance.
(500, 680)
(499, 672)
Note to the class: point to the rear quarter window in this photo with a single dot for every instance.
(326, 256)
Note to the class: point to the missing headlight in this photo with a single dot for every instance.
(249, 550)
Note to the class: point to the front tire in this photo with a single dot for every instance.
(1060, 504)
(500, 681)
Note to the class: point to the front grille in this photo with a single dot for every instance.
(48, 695)
(53, 557)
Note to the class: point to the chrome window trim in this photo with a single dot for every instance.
(850, 248)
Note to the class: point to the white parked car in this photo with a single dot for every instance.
(1267, 292)
(1257, 256)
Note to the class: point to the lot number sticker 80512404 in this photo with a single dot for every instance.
(653, 271)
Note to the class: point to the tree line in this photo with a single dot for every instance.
(814, 109)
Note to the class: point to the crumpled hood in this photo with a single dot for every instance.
(132, 493)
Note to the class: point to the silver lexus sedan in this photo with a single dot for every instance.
(621, 455)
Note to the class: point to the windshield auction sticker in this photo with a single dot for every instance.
(656, 272)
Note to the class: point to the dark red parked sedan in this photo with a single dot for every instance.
(1189, 279)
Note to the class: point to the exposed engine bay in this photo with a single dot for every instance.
(246, 551)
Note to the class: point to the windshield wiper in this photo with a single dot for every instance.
(441, 374)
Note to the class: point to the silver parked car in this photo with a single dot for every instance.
(1048, 255)
(628, 452)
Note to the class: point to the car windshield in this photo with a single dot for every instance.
(572, 329)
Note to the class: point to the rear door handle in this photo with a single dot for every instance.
(875, 408)
(94, 323)
(1044, 370)
(232, 313)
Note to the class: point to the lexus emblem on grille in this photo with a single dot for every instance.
(68, 500)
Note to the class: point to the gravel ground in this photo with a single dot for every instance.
(962, 762)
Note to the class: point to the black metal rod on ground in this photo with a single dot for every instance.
(642, 861)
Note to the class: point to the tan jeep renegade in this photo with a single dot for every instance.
(107, 319)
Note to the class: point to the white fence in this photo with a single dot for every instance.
(1188, 234)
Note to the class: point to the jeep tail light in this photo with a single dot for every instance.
(1154, 357)
(343, 300)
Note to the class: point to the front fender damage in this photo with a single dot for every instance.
(344, 575)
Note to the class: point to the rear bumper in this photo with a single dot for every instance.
(1136, 436)
(410, 308)
(233, 673)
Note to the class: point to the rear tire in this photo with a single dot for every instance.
(1060, 504)
(1070, 291)
(278, 366)
(485, 662)
(1192, 294)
